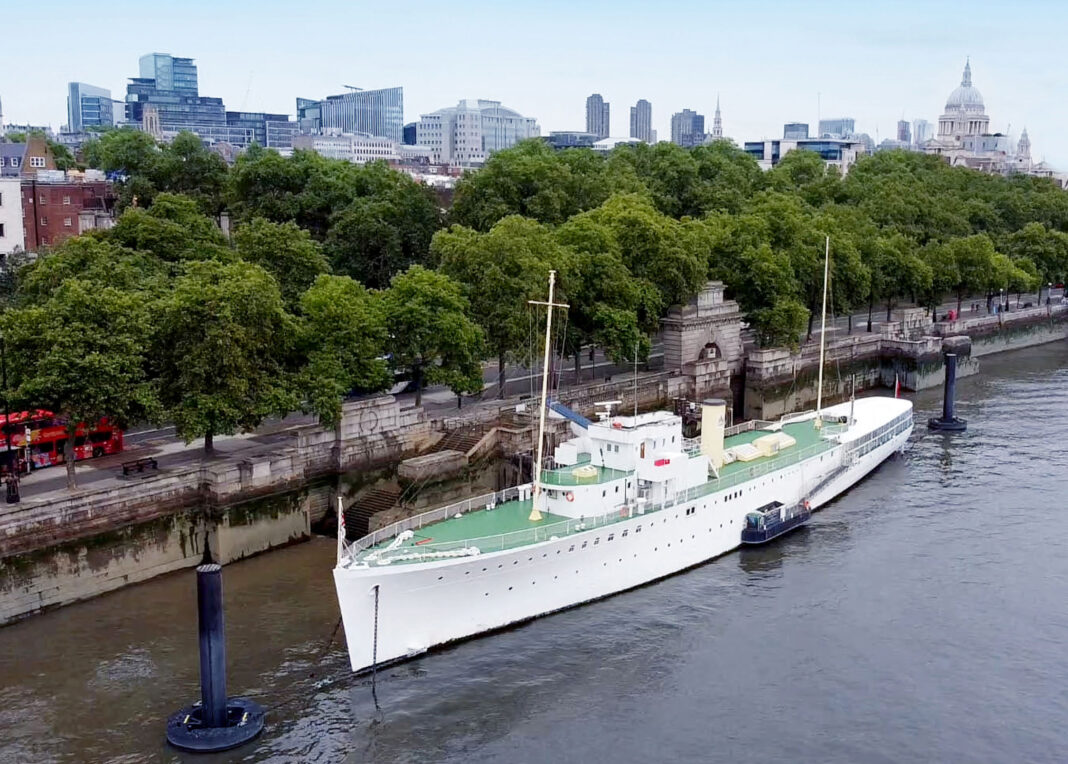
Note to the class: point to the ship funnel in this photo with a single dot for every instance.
(713, 418)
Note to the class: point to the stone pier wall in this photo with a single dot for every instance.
(95, 540)
(76, 569)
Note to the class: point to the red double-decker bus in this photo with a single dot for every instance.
(38, 438)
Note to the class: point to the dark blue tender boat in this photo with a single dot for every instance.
(772, 520)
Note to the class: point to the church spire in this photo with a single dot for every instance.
(1023, 148)
(717, 122)
(967, 79)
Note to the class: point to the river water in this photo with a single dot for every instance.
(921, 617)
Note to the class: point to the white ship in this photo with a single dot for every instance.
(628, 500)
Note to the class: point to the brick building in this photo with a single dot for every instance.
(23, 160)
(55, 210)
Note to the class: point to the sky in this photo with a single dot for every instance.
(768, 62)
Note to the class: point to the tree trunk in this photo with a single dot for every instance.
(500, 374)
(850, 322)
(811, 315)
(871, 305)
(960, 298)
(889, 310)
(578, 365)
(68, 459)
(417, 370)
(209, 443)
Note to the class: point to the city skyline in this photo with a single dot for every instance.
(895, 63)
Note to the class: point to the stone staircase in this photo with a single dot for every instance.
(457, 440)
(358, 516)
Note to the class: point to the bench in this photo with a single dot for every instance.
(139, 465)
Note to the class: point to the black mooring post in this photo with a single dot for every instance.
(948, 422)
(216, 723)
(212, 644)
(950, 389)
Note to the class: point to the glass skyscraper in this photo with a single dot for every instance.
(375, 112)
(170, 85)
(88, 106)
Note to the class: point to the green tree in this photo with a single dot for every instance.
(384, 232)
(221, 350)
(344, 337)
(173, 229)
(130, 154)
(975, 265)
(92, 260)
(264, 184)
(610, 308)
(185, 166)
(653, 247)
(806, 174)
(897, 271)
(430, 332)
(1046, 249)
(532, 180)
(285, 251)
(81, 354)
(502, 269)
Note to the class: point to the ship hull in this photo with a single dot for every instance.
(393, 612)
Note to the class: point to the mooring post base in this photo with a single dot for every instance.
(244, 720)
(956, 424)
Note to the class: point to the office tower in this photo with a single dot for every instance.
(374, 112)
(597, 116)
(687, 128)
(839, 127)
(641, 121)
(904, 132)
(88, 106)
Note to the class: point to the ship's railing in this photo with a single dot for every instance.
(752, 424)
(502, 541)
(416, 522)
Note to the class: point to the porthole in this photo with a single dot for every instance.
(509, 588)
(440, 578)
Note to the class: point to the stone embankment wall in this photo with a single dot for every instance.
(59, 551)
(909, 350)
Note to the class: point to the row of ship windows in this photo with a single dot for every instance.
(884, 434)
(597, 540)
(604, 564)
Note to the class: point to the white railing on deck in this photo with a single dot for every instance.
(426, 518)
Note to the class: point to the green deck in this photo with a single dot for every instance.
(508, 525)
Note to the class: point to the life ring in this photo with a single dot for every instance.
(570, 496)
(805, 504)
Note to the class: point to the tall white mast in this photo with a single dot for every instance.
(535, 512)
(823, 332)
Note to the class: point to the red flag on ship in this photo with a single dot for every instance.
(897, 386)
